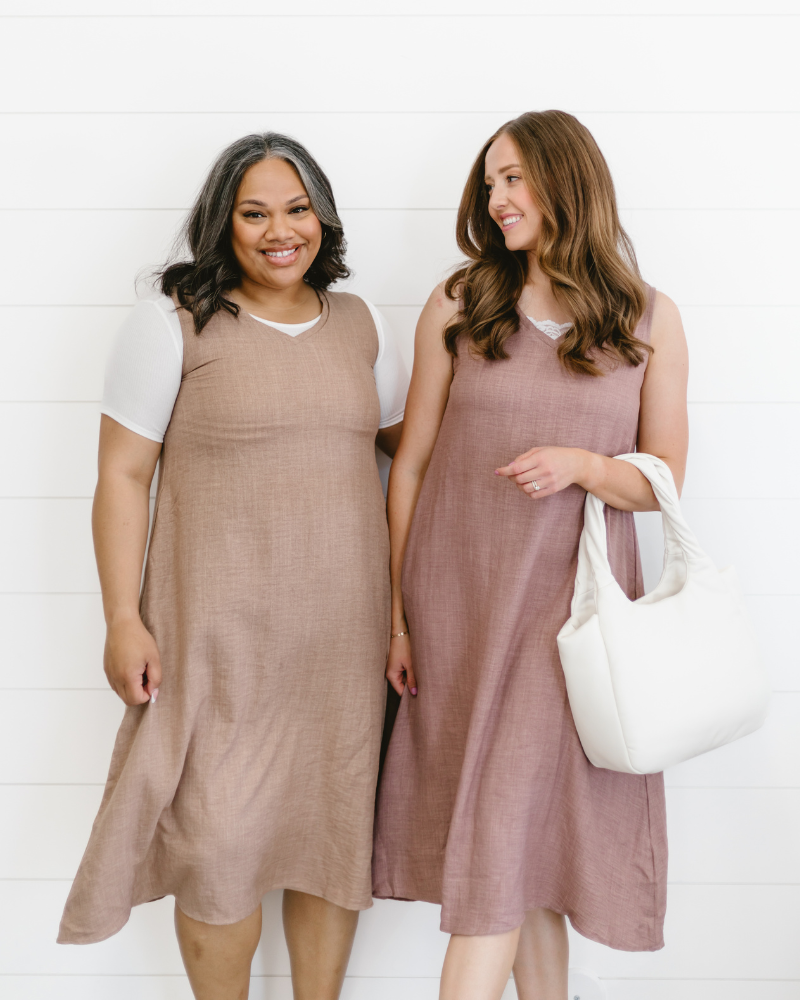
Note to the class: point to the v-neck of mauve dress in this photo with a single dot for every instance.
(487, 803)
(266, 589)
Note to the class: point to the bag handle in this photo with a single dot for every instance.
(594, 569)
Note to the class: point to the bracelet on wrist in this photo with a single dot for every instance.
(396, 635)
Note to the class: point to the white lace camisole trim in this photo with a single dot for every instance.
(549, 328)
(144, 368)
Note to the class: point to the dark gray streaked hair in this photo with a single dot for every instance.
(201, 283)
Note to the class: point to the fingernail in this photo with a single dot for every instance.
(153, 697)
(413, 690)
(497, 472)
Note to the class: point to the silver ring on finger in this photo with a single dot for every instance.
(535, 485)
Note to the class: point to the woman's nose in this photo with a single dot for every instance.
(278, 228)
(496, 200)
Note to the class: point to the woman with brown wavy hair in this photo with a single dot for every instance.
(536, 362)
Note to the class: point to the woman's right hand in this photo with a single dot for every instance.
(399, 671)
(131, 661)
(427, 400)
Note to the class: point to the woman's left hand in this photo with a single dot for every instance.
(551, 469)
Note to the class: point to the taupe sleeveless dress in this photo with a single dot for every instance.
(267, 592)
(487, 803)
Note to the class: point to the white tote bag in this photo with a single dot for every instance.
(672, 675)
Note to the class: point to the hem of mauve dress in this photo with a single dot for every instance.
(87, 937)
(503, 929)
(610, 944)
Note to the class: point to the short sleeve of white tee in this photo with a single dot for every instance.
(144, 368)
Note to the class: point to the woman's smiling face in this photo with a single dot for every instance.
(275, 234)
(511, 204)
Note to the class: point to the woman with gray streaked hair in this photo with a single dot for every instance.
(263, 623)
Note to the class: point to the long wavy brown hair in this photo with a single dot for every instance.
(582, 248)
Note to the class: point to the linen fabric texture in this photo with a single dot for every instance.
(266, 589)
(487, 802)
(144, 369)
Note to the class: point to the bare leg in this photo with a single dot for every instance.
(477, 967)
(542, 962)
(320, 936)
(218, 957)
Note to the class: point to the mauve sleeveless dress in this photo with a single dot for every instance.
(487, 803)
(267, 592)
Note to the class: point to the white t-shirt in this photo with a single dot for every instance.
(144, 369)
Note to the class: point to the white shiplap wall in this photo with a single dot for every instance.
(110, 115)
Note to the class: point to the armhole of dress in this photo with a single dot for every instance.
(380, 333)
(646, 322)
(182, 316)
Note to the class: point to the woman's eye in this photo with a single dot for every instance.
(511, 178)
(253, 215)
(299, 208)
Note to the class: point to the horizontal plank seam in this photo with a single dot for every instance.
(395, 17)
(359, 111)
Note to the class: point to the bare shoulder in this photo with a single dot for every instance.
(670, 359)
(436, 314)
(667, 329)
(440, 307)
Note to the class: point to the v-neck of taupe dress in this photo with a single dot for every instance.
(266, 589)
(487, 803)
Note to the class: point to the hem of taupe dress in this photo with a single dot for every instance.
(577, 924)
(95, 937)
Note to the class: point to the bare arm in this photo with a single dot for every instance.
(663, 431)
(120, 518)
(663, 415)
(427, 399)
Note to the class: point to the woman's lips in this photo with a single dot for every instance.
(281, 256)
